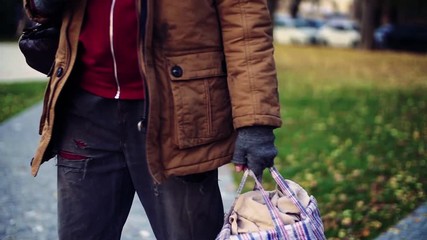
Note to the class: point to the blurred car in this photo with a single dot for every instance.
(295, 30)
(401, 37)
(339, 33)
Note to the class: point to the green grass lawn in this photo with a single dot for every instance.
(15, 97)
(354, 134)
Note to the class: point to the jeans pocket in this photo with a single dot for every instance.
(71, 167)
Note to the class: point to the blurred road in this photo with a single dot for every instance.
(412, 227)
(13, 67)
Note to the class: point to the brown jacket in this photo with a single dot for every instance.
(209, 69)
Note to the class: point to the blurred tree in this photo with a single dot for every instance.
(272, 6)
(369, 21)
(373, 13)
(294, 8)
(10, 12)
(295, 4)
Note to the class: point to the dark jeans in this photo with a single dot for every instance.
(101, 163)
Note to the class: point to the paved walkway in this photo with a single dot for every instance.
(413, 227)
(13, 67)
(28, 205)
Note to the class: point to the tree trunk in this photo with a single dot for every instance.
(294, 8)
(368, 23)
(272, 6)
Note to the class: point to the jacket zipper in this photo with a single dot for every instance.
(142, 124)
(111, 32)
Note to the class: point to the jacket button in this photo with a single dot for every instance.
(59, 72)
(176, 71)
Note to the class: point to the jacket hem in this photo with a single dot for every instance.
(198, 167)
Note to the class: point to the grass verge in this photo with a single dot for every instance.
(354, 134)
(15, 97)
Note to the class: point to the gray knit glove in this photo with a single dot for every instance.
(255, 148)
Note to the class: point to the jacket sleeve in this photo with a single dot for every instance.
(248, 46)
(43, 10)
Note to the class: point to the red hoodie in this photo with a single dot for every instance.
(108, 50)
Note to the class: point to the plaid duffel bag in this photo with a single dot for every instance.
(249, 221)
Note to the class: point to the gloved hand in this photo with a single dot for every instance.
(254, 149)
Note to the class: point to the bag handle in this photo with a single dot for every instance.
(286, 189)
(318, 229)
(278, 224)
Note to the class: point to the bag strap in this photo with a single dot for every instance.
(278, 224)
(287, 190)
(238, 193)
(318, 229)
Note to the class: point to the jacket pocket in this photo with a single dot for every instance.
(201, 101)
